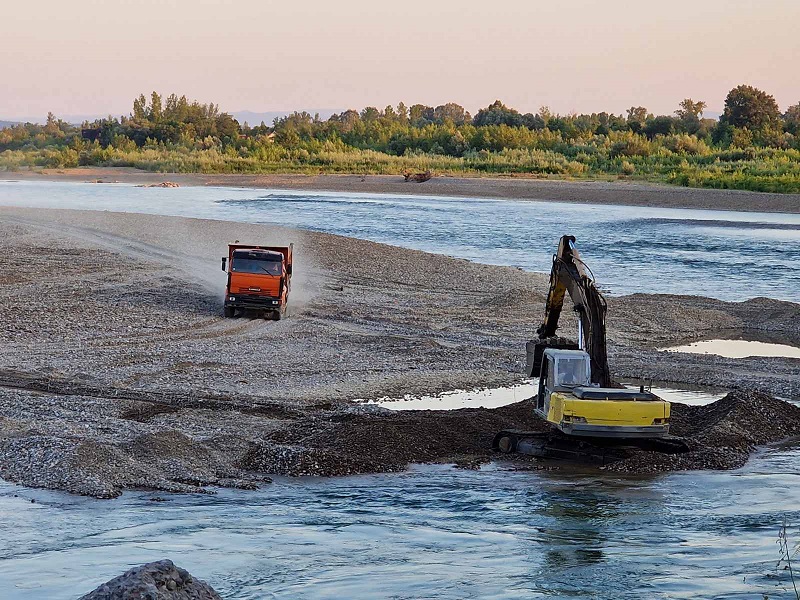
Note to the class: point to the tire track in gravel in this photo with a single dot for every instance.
(188, 265)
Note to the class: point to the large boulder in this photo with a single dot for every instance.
(160, 580)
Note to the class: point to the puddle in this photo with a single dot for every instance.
(501, 396)
(737, 349)
(486, 398)
(690, 397)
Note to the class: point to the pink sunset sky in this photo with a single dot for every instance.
(93, 57)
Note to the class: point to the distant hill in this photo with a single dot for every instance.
(72, 119)
(255, 118)
(243, 116)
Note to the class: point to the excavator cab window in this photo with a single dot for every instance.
(572, 372)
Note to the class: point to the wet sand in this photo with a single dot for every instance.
(620, 192)
(117, 369)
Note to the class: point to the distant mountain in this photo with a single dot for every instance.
(72, 119)
(255, 118)
(4, 124)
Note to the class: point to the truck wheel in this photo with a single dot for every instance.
(276, 315)
(228, 311)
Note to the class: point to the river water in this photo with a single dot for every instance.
(720, 254)
(435, 531)
(432, 532)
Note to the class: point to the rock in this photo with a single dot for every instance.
(160, 580)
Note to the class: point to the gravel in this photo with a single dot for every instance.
(118, 371)
(721, 435)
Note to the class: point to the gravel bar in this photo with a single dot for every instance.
(117, 369)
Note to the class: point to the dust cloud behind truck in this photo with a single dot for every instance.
(259, 279)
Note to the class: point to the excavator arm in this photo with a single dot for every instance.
(570, 275)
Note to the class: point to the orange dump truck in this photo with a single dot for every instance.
(259, 279)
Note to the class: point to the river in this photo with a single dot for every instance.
(431, 532)
(719, 254)
(436, 531)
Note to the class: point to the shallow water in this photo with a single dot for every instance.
(720, 254)
(502, 396)
(432, 532)
(737, 349)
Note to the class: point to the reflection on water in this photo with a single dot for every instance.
(431, 532)
(502, 396)
(737, 349)
(721, 254)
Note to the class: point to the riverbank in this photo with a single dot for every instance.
(117, 370)
(516, 188)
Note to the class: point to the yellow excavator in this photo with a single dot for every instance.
(576, 393)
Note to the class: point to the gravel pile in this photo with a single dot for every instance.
(721, 435)
(160, 580)
(348, 442)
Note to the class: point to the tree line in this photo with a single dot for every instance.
(173, 133)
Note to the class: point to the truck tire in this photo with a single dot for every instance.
(228, 311)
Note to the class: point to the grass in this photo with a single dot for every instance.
(678, 160)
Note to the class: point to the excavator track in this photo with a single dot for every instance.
(601, 451)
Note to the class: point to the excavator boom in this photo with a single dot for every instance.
(570, 275)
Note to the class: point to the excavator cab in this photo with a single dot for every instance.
(569, 400)
(561, 370)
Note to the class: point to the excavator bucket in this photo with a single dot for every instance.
(535, 351)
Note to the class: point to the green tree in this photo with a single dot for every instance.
(140, 108)
(689, 114)
(370, 113)
(637, 117)
(497, 113)
(689, 109)
(792, 119)
(450, 111)
(155, 107)
(420, 115)
(402, 112)
(661, 125)
(531, 121)
(746, 106)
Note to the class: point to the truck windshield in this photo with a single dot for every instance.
(249, 265)
(572, 372)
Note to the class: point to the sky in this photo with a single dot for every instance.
(92, 57)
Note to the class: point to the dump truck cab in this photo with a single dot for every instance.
(259, 279)
(569, 400)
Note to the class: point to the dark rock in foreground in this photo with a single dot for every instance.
(160, 580)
